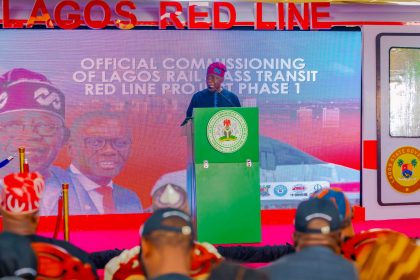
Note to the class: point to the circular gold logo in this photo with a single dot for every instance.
(402, 169)
(227, 131)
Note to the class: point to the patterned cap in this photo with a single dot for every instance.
(21, 89)
(21, 192)
(393, 256)
(340, 200)
(217, 68)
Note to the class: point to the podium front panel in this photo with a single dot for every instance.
(224, 182)
(228, 203)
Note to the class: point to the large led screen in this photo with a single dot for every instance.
(101, 110)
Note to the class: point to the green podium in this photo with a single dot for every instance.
(223, 175)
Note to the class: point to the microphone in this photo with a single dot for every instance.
(6, 161)
(186, 120)
(228, 100)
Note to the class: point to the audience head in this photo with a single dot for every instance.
(393, 256)
(17, 258)
(317, 223)
(362, 242)
(167, 243)
(170, 191)
(31, 116)
(169, 195)
(343, 205)
(19, 202)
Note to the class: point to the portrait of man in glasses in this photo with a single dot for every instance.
(32, 111)
(99, 147)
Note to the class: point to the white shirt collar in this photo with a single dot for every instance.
(87, 183)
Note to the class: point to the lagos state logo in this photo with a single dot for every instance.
(402, 170)
(227, 131)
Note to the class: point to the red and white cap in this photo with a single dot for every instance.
(217, 68)
(21, 192)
